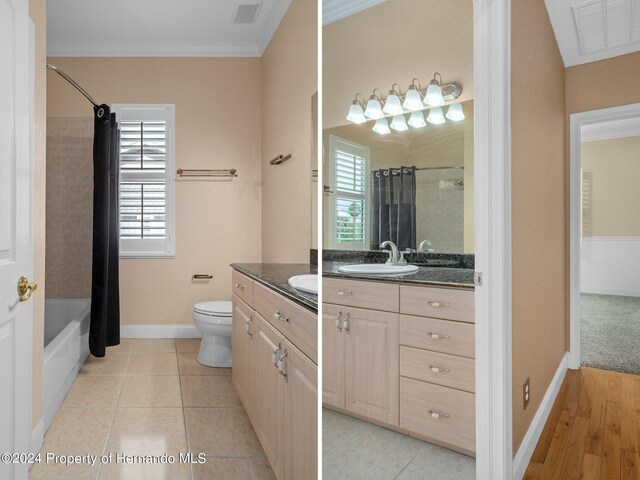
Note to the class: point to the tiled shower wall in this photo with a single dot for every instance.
(69, 207)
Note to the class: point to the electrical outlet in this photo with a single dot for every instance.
(526, 393)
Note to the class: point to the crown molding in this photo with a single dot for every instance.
(105, 50)
(610, 130)
(272, 23)
(335, 10)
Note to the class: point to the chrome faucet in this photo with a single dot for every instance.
(395, 257)
(425, 243)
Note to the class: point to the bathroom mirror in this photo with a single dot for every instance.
(314, 170)
(417, 183)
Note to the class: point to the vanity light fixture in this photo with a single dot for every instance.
(392, 104)
(434, 97)
(381, 126)
(435, 116)
(374, 107)
(416, 120)
(413, 99)
(356, 114)
(399, 124)
(455, 112)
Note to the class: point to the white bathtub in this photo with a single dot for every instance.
(66, 347)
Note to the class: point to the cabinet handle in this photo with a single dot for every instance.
(437, 415)
(345, 323)
(281, 365)
(438, 336)
(277, 316)
(274, 356)
(343, 292)
(338, 321)
(247, 326)
(438, 304)
(239, 285)
(435, 369)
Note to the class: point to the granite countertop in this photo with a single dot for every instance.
(436, 276)
(276, 276)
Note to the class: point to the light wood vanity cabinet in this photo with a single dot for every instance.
(407, 360)
(275, 380)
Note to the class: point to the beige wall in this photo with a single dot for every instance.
(289, 80)
(218, 125)
(37, 11)
(404, 39)
(538, 207)
(611, 200)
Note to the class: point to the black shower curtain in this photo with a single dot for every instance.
(393, 207)
(105, 289)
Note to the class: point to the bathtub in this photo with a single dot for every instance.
(66, 347)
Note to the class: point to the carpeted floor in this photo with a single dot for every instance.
(610, 332)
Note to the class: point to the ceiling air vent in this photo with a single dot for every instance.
(246, 12)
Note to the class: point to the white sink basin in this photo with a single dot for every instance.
(378, 269)
(305, 283)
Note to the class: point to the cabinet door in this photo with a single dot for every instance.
(372, 377)
(333, 355)
(269, 390)
(300, 433)
(243, 371)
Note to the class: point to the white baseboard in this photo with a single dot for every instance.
(611, 291)
(528, 445)
(37, 436)
(159, 331)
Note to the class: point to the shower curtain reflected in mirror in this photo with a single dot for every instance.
(105, 290)
(393, 207)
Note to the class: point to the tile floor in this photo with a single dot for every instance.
(354, 450)
(148, 397)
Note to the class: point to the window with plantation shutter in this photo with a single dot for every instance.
(146, 180)
(349, 178)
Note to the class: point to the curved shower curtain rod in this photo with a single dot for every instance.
(72, 82)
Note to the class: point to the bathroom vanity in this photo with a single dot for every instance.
(274, 348)
(399, 352)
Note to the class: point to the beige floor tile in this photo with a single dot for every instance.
(221, 432)
(151, 391)
(52, 471)
(121, 471)
(124, 347)
(208, 391)
(234, 469)
(188, 365)
(188, 345)
(152, 363)
(167, 345)
(111, 364)
(79, 431)
(147, 431)
(336, 428)
(442, 464)
(94, 391)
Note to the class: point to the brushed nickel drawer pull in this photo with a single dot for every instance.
(345, 323)
(438, 304)
(435, 369)
(274, 356)
(239, 285)
(343, 292)
(437, 415)
(281, 365)
(338, 321)
(277, 316)
(438, 336)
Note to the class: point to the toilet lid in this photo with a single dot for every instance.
(219, 308)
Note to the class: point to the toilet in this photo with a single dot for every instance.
(213, 320)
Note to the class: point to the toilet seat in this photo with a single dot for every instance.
(216, 308)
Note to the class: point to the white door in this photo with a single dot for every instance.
(16, 249)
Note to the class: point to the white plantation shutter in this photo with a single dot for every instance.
(349, 207)
(146, 183)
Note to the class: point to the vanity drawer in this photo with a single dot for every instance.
(296, 323)
(445, 336)
(438, 302)
(438, 412)
(242, 286)
(354, 293)
(441, 368)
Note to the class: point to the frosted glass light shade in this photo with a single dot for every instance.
(433, 96)
(356, 115)
(435, 116)
(381, 126)
(412, 100)
(392, 105)
(374, 109)
(455, 112)
(399, 124)
(416, 120)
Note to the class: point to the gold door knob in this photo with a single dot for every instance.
(25, 288)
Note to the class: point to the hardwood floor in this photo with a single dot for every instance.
(593, 429)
